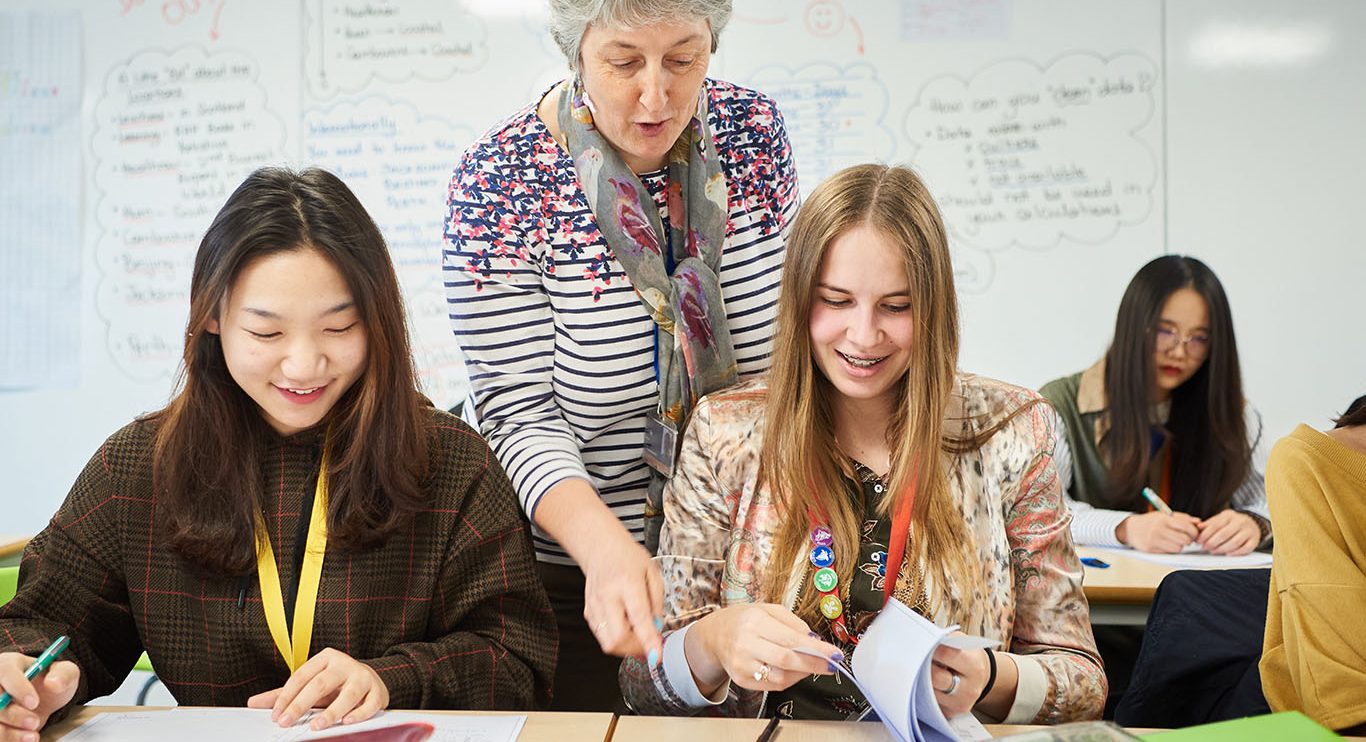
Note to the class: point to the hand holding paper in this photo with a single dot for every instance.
(893, 668)
(760, 647)
(345, 689)
(971, 668)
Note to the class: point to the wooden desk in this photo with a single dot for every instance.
(666, 729)
(689, 729)
(11, 546)
(1123, 592)
(552, 726)
(541, 726)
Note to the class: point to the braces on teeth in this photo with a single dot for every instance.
(861, 362)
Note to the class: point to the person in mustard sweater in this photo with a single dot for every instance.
(1314, 656)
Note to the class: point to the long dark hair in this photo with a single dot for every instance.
(211, 438)
(1208, 432)
(1355, 414)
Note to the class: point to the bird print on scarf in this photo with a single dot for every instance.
(629, 214)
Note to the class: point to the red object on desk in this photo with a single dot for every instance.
(413, 731)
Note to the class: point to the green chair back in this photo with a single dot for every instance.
(9, 583)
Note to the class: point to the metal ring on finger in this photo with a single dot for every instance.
(761, 675)
(954, 680)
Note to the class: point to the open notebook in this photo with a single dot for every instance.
(891, 667)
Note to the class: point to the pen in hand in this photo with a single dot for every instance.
(49, 655)
(1155, 501)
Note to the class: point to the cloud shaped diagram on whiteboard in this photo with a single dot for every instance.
(1026, 155)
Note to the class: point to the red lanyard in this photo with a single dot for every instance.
(901, 533)
(823, 558)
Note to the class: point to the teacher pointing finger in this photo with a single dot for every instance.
(613, 253)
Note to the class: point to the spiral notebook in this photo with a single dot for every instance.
(891, 667)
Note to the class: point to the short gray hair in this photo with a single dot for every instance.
(569, 19)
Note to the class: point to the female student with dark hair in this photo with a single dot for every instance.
(1164, 410)
(1314, 656)
(864, 431)
(298, 528)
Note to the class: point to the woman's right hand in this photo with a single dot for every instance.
(33, 701)
(1158, 532)
(754, 647)
(623, 597)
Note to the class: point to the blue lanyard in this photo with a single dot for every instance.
(669, 264)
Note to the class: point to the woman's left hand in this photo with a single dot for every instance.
(1229, 532)
(972, 669)
(346, 690)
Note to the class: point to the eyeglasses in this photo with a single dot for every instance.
(1197, 344)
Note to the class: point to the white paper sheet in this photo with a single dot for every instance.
(891, 668)
(233, 725)
(1194, 558)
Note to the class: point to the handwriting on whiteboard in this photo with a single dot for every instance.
(176, 12)
(40, 199)
(1024, 156)
(835, 116)
(350, 42)
(174, 135)
(399, 165)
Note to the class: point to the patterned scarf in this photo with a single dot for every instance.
(694, 351)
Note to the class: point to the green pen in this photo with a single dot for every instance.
(1155, 501)
(49, 655)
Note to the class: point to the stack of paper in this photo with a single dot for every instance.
(891, 667)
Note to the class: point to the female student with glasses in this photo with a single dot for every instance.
(1164, 410)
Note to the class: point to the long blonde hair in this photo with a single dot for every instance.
(796, 460)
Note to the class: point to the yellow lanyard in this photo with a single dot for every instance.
(295, 652)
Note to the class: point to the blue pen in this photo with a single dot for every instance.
(49, 655)
(1094, 562)
(1155, 501)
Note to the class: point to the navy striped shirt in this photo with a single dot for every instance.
(559, 349)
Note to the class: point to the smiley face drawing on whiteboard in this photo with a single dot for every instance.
(824, 17)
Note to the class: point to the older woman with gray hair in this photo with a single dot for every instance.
(612, 254)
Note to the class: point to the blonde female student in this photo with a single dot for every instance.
(866, 452)
(1164, 410)
(298, 528)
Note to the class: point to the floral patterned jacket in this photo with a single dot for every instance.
(719, 528)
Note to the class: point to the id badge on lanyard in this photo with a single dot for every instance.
(661, 443)
(661, 433)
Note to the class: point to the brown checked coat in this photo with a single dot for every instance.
(448, 610)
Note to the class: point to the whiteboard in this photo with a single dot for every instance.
(1067, 142)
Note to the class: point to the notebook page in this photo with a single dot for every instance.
(893, 662)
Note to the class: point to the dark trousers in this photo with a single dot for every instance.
(1118, 647)
(585, 678)
(1199, 658)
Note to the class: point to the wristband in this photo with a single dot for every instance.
(991, 678)
(1263, 527)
